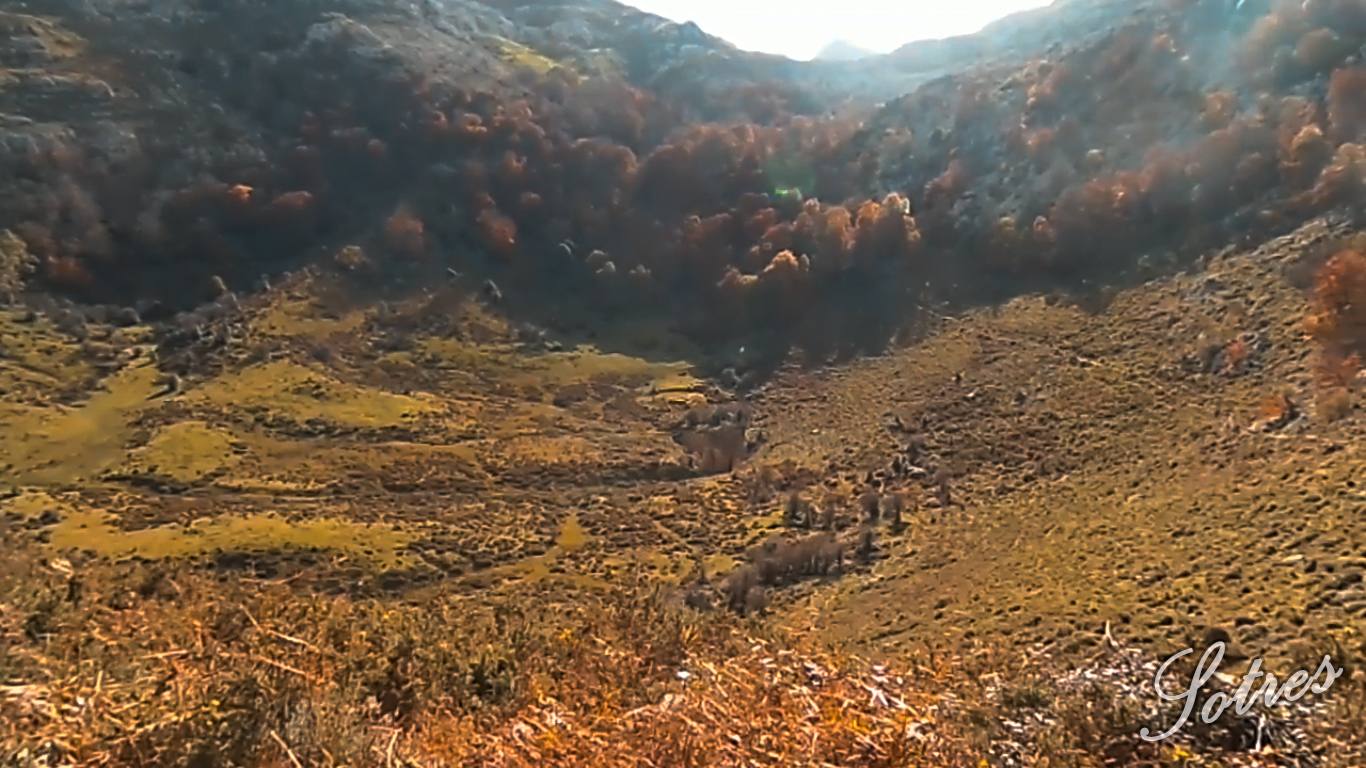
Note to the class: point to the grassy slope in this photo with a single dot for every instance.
(1097, 479)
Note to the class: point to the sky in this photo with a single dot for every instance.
(800, 28)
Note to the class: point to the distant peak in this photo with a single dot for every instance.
(842, 50)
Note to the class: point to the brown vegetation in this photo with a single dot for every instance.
(1347, 103)
(405, 235)
(1338, 322)
(736, 228)
(167, 667)
(1339, 313)
(778, 562)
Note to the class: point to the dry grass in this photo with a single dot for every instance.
(169, 666)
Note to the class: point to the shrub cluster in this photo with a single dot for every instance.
(781, 561)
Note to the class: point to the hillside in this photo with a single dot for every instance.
(511, 383)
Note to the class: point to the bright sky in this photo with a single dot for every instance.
(801, 28)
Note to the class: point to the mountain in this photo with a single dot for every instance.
(841, 50)
(545, 383)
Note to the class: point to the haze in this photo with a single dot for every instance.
(801, 30)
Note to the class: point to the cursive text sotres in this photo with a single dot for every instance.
(1268, 694)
